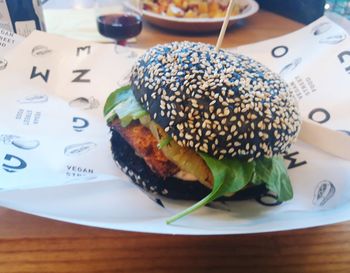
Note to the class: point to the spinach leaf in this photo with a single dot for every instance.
(279, 181)
(230, 176)
(273, 172)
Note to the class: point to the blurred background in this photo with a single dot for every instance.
(341, 7)
(304, 11)
(80, 15)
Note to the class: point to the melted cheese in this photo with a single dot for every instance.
(185, 176)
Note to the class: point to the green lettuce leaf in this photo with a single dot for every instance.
(279, 181)
(123, 104)
(232, 175)
(164, 142)
(273, 173)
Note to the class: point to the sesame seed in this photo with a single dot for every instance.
(216, 92)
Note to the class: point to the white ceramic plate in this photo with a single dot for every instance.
(120, 206)
(199, 24)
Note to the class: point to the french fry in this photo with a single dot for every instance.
(191, 14)
(184, 5)
(236, 10)
(213, 9)
(203, 8)
(191, 8)
(178, 3)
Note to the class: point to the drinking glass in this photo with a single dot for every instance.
(119, 19)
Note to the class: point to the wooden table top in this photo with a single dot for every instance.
(261, 26)
(33, 244)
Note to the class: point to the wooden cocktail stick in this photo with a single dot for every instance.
(224, 24)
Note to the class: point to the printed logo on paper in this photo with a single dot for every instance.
(84, 103)
(3, 64)
(319, 115)
(42, 75)
(85, 49)
(321, 28)
(293, 161)
(344, 58)
(324, 191)
(79, 148)
(345, 131)
(12, 163)
(19, 142)
(279, 51)
(40, 50)
(34, 99)
(81, 75)
(80, 124)
(28, 117)
(333, 39)
(79, 171)
(290, 67)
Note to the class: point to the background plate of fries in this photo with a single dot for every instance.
(195, 15)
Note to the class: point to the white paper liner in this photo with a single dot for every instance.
(315, 61)
(53, 139)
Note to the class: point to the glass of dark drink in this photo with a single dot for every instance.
(119, 19)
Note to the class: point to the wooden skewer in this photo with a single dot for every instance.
(224, 24)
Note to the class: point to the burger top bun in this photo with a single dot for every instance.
(220, 103)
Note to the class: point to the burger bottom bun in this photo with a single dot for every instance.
(139, 172)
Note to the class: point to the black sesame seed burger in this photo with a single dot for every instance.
(199, 124)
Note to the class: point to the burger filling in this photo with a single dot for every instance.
(167, 158)
(161, 153)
